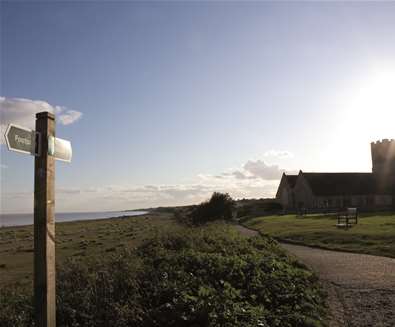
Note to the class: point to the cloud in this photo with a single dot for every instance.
(68, 191)
(261, 170)
(23, 112)
(255, 179)
(278, 154)
(239, 175)
(69, 117)
(257, 169)
(122, 197)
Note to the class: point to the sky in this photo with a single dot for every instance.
(166, 102)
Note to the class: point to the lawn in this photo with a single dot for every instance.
(374, 234)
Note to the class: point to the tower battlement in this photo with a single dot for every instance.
(383, 141)
(383, 156)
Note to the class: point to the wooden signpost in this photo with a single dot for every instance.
(47, 148)
(21, 139)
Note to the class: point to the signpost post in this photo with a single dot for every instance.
(46, 147)
(44, 226)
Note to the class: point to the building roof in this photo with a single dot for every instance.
(291, 180)
(286, 181)
(332, 184)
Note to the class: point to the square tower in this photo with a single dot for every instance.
(383, 157)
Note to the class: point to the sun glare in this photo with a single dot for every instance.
(372, 109)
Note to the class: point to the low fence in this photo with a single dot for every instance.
(331, 211)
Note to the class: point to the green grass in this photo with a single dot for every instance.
(374, 233)
(80, 239)
(173, 275)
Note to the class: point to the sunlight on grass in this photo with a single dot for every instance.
(374, 234)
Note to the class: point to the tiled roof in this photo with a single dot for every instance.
(291, 179)
(330, 184)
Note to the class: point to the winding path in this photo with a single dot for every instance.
(361, 288)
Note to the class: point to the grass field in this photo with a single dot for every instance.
(88, 239)
(155, 271)
(374, 234)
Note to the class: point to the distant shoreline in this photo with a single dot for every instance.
(17, 220)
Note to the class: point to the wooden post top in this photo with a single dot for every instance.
(45, 114)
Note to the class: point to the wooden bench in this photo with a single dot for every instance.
(347, 218)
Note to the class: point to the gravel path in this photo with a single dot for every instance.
(246, 231)
(360, 287)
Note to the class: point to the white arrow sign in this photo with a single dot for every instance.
(20, 139)
(60, 149)
(24, 140)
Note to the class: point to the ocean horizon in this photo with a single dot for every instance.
(22, 219)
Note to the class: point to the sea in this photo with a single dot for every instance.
(7, 220)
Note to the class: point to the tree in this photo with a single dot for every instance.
(220, 206)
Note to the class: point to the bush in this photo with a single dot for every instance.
(220, 206)
(254, 208)
(212, 280)
(212, 277)
(16, 308)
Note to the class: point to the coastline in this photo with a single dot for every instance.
(25, 220)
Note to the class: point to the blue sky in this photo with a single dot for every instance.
(165, 102)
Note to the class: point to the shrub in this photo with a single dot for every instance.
(220, 206)
(16, 308)
(253, 208)
(209, 280)
(212, 277)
